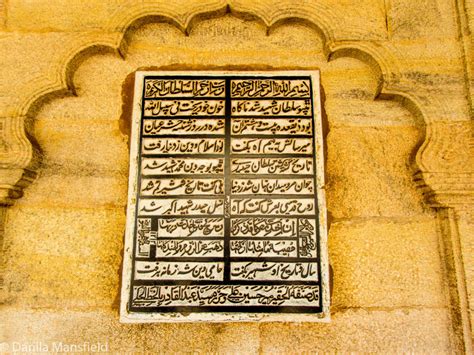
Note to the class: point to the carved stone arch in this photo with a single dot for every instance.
(181, 15)
(441, 177)
(379, 57)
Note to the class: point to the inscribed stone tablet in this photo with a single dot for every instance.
(226, 217)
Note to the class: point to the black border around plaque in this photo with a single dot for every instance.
(226, 217)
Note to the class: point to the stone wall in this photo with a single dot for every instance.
(396, 75)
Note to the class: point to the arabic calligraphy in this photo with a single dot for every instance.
(190, 227)
(272, 166)
(184, 88)
(154, 108)
(263, 227)
(272, 125)
(206, 295)
(180, 206)
(226, 197)
(267, 270)
(171, 270)
(270, 186)
(182, 146)
(183, 126)
(170, 166)
(271, 145)
(271, 107)
(155, 187)
(194, 248)
(266, 248)
(270, 88)
(272, 206)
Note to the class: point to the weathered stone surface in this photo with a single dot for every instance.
(363, 330)
(376, 160)
(466, 231)
(78, 198)
(386, 262)
(103, 327)
(81, 271)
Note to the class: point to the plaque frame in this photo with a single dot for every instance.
(130, 316)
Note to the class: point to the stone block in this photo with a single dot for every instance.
(386, 263)
(366, 331)
(45, 328)
(369, 174)
(72, 261)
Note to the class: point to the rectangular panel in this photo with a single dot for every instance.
(185, 126)
(226, 215)
(170, 146)
(297, 166)
(180, 206)
(268, 126)
(171, 108)
(178, 270)
(262, 146)
(178, 166)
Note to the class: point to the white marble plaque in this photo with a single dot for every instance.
(226, 217)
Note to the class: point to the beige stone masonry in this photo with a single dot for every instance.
(397, 80)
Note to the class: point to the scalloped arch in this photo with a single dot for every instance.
(380, 58)
(442, 179)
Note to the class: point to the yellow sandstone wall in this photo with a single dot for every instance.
(389, 248)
